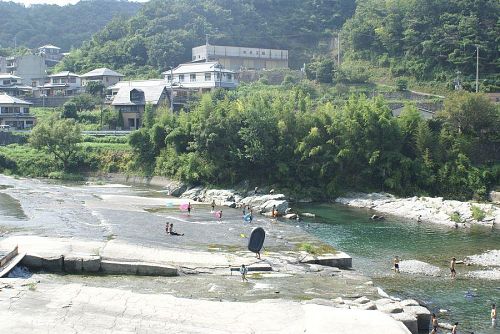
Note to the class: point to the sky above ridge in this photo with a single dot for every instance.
(51, 2)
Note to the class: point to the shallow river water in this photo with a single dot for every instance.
(373, 245)
(74, 210)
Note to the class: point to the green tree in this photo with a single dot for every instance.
(59, 137)
(95, 88)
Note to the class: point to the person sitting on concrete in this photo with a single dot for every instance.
(172, 232)
(167, 228)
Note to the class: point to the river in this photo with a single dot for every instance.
(373, 245)
(73, 211)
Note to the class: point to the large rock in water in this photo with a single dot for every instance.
(265, 203)
(219, 196)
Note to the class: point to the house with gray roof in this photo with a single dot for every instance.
(62, 84)
(131, 98)
(13, 85)
(104, 75)
(14, 112)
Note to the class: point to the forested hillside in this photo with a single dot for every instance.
(428, 39)
(164, 32)
(66, 26)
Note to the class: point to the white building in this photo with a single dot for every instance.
(62, 84)
(52, 54)
(202, 77)
(14, 112)
(104, 75)
(12, 85)
(238, 58)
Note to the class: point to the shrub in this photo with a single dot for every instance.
(455, 217)
(477, 213)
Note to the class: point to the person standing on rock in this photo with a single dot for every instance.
(434, 324)
(213, 205)
(243, 272)
(493, 316)
(274, 211)
(452, 267)
(396, 264)
(189, 208)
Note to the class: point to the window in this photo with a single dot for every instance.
(17, 110)
(181, 77)
(192, 77)
(27, 111)
(250, 52)
(229, 76)
(72, 80)
(55, 80)
(169, 78)
(263, 53)
(244, 52)
(208, 76)
(194, 57)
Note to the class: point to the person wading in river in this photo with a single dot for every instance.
(452, 267)
(493, 316)
(396, 264)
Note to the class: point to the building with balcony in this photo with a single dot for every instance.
(61, 84)
(12, 85)
(103, 75)
(201, 77)
(51, 54)
(238, 58)
(14, 112)
(131, 97)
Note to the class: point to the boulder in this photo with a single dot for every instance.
(409, 302)
(195, 193)
(281, 206)
(408, 320)
(219, 196)
(290, 216)
(422, 314)
(368, 306)
(176, 189)
(362, 300)
(229, 204)
(383, 301)
(390, 308)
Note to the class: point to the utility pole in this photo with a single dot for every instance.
(338, 50)
(477, 68)
(206, 39)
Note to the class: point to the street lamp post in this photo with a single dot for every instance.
(171, 89)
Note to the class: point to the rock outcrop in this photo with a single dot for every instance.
(425, 209)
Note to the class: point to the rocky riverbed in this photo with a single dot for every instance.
(427, 209)
(121, 229)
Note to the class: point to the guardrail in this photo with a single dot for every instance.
(107, 133)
